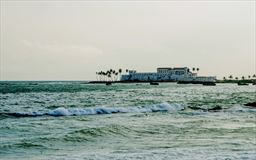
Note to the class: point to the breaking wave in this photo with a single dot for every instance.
(162, 107)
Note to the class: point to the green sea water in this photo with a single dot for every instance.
(77, 120)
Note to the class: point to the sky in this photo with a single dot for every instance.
(71, 40)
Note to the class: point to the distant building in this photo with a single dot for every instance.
(167, 74)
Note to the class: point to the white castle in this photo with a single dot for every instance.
(182, 74)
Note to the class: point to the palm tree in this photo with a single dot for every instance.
(249, 77)
(224, 78)
(103, 76)
(110, 73)
(116, 76)
(243, 77)
(230, 77)
(236, 78)
(109, 76)
(107, 73)
(120, 72)
(100, 74)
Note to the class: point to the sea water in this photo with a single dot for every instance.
(77, 120)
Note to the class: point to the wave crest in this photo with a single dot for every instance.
(162, 107)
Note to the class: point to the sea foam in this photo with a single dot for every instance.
(162, 107)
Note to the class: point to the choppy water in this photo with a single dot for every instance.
(75, 120)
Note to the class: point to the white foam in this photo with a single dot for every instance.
(60, 112)
(163, 107)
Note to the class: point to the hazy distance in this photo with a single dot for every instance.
(64, 40)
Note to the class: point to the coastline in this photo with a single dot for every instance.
(251, 81)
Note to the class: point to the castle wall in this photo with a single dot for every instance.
(165, 77)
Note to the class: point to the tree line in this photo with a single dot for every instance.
(110, 75)
(231, 77)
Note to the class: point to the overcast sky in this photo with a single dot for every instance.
(64, 40)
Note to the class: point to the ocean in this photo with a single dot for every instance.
(76, 120)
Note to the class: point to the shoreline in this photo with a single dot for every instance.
(178, 82)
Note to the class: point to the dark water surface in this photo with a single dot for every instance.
(77, 120)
